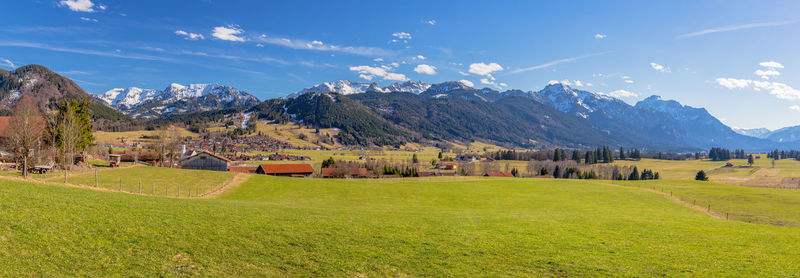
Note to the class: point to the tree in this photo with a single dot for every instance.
(576, 156)
(26, 126)
(514, 172)
(750, 160)
(328, 162)
(414, 159)
(634, 176)
(440, 155)
(557, 172)
(701, 176)
(621, 153)
(557, 155)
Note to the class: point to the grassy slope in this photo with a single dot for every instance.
(154, 179)
(427, 227)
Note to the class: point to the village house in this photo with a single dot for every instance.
(286, 170)
(206, 160)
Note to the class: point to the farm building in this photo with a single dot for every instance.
(506, 175)
(286, 170)
(346, 173)
(206, 160)
(243, 169)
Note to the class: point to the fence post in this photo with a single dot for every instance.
(120, 184)
(166, 190)
(179, 191)
(140, 186)
(726, 215)
(709, 207)
(154, 189)
(95, 177)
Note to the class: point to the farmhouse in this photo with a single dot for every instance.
(286, 170)
(206, 160)
(243, 169)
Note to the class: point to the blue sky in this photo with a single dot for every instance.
(738, 59)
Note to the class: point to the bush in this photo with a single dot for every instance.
(701, 176)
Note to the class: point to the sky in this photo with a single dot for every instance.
(737, 59)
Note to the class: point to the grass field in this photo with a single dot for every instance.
(156, 181)
(414, 227)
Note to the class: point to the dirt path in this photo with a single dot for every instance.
(237, 180)
(671, 197)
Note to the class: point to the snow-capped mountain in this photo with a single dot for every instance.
(347, 87)
(175, 98)
(753, 132)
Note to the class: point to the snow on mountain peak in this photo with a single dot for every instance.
(347, 87)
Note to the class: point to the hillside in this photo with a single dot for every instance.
(306, 227)
(48, 87)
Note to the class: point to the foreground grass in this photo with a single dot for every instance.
(431, 227)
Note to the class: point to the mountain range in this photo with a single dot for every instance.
(175, 99)
(453, 111)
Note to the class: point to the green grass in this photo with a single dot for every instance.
(154, 180)
(748, 204)
(414, 227)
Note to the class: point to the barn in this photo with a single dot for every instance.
(243, 169)
(286, 170)
(206, 160)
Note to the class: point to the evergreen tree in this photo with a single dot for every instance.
(440, 155)
(621, 153)
(414, 159)
(557, 155)
(514, 172)
(634, 176)
(701, 176)
(557, 172)
(576, 156)
(327, 163)
(750, 160)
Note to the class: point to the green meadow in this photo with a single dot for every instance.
(271, 226)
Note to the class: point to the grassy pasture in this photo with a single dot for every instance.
(156, 181)
(414, 227)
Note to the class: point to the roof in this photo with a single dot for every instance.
(242, 169)
(508, 175)
(286, 168)
(211, 154)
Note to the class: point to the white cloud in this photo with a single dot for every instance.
(556, 62)
(230, 33)
(467, 82)
(578, 83)
(733, 83)
(622, 93)
(795, 107)
(402, 35)
(771, 64)
(259, 45)
(319, 46)
(659, 67)
(8, 63)
(368, 73)
(628, 81)
(431, 22)
(779, 90)
(599, 36)
(88, 19)
(190, 36)
(589, 84)
(378, 59)
(420, 57)
(425, 69)
(79, 5)
(735, 27)
(101, 7)
(484, 69)
(765, 74)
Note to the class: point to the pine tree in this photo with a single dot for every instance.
(621, 154)
(556, 155)
(701, 176)
(750, 160)
(576, 156)
(634, 174)
(557, 172)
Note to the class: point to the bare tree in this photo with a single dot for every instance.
(69, 132)
(27, 126)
